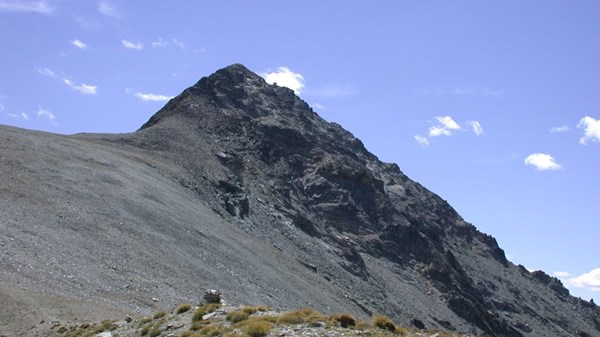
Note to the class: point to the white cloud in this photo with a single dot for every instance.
(561, 274)
(83, 88)
(179, 44)
(559, 129)
(284, 77)
(132, 45)
(590, 280)
(421, 140)
(319, 106)
(46, 72)
(106, 8)
(2, 98)
(477, 129)
(152, 97)
(591, 129)
(542, 162)
(20, 6)
(45, 113)
(79, 44)
(445, 127)
(25, 116)
(160, 43)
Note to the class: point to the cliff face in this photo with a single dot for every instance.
(242, 185)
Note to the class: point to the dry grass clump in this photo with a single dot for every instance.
(384, 322)
(257, 328)
(212, 331)
(302, 315)
(345, 320)
(159, 314)
(237, 316)
(252, 309)
(183, 308)
(203, 310)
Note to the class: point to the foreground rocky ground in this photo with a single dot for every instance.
(216, 320)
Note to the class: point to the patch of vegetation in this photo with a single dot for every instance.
(154, 332)
(203, 310)
(143, 321)
(237, 316)
(183, 308)
(302, 315)
(345, 320)
(252, 309)
(258, 328)
(212, 331)
(384, 322)
(159, 314)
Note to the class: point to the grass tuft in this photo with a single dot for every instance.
(384, 322)
(183, 308)
(302, 315)
(159, 314)
(258, 328)
(237, 316)
(345, 320)
(203, 310)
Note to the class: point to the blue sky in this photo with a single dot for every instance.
(494, 106)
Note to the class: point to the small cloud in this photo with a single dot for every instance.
(132, 45)
(160, 43)
(152, 97)
(445, 127)
(2, 98)
(542, 162)
(24, 116)
(559, 129)
(20, 6)
(319, 106)
(77, 43)
(476, 127)
(106, 8)
(561, 274)
(421, 140)
(200, 50)
(45, 113)
(83, 88)
(591, 130)
(179, 44)
(46, 72)
(284, 77)
(590, 280)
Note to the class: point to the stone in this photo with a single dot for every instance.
(212, 296)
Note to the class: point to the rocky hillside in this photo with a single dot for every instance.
(238, 185)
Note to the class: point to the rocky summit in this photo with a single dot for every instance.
(238, 185)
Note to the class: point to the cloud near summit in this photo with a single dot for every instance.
(284, 77)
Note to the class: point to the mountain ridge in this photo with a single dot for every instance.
(274, 179)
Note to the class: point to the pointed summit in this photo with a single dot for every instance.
(236, 87)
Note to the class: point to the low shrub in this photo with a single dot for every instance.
(183, 308)
(302, 315)
(384, 322)
(237, 316)
(258, 328)
(345, 320)
(203, 310)
(212, 331)
(159, 314)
